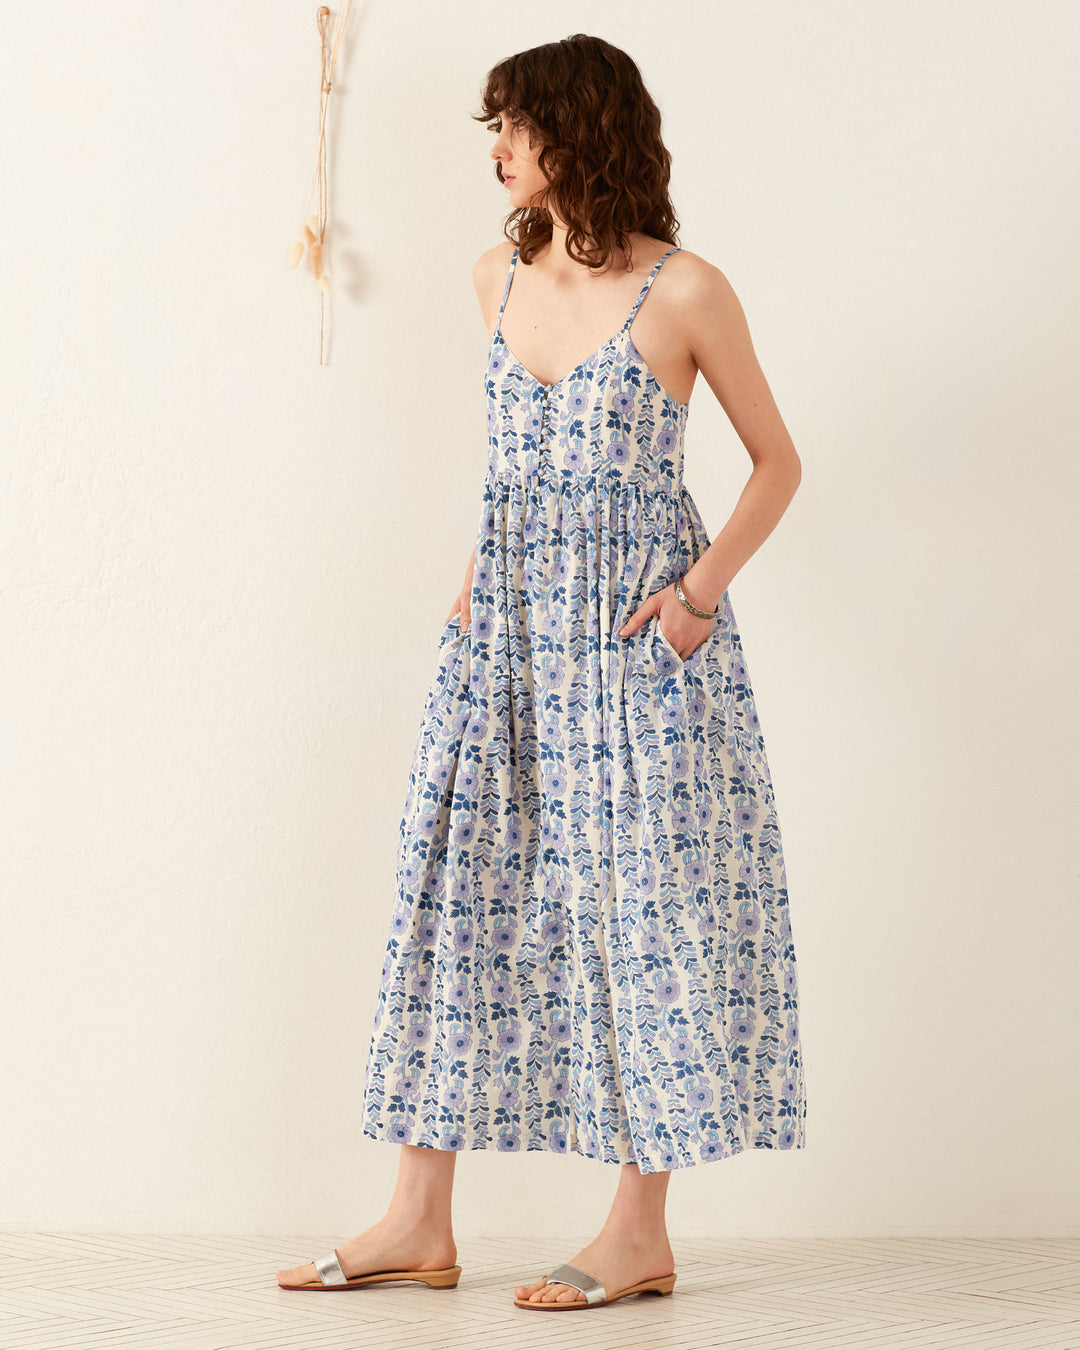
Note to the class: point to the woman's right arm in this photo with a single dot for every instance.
(461, 604)
(488, 275)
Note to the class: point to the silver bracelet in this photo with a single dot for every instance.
(701, 613)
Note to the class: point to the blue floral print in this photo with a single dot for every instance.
(590, 949)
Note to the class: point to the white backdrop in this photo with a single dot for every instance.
(225, 570)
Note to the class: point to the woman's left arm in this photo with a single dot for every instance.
(719, 341)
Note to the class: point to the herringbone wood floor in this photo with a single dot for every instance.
(66, 1291)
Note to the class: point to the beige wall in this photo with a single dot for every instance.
(225, 570)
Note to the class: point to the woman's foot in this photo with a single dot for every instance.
(614, 1258)
(384, 1247)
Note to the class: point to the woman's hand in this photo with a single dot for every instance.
(462, 603)
(685, 631)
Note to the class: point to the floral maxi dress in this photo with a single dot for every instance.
(590, 948)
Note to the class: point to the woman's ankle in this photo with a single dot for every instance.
(422, 1227)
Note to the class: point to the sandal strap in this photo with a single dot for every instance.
(593, 1290)
(329, 1268)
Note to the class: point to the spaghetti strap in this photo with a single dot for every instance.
(506, 292)
(648, 282)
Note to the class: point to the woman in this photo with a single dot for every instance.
(590, 949)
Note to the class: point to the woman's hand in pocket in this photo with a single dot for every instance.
(462, 604)
(684, 631)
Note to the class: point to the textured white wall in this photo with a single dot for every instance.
(225, 569)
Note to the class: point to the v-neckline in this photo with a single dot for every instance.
(627, 322)
(640, 360)
(562, 378)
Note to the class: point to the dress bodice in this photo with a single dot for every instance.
(607, 418)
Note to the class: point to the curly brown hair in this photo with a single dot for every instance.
(585, 103)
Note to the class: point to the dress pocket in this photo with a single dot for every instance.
(664, 651)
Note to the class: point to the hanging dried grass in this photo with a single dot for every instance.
(314, 229)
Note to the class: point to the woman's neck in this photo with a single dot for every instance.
(557, 261)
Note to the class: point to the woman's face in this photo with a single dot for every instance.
(517, 156)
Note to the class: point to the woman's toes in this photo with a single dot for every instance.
(542, 1292)
(297, 1274)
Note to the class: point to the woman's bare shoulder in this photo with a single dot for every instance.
(494, 262)
(489, 275)
(693, 279)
